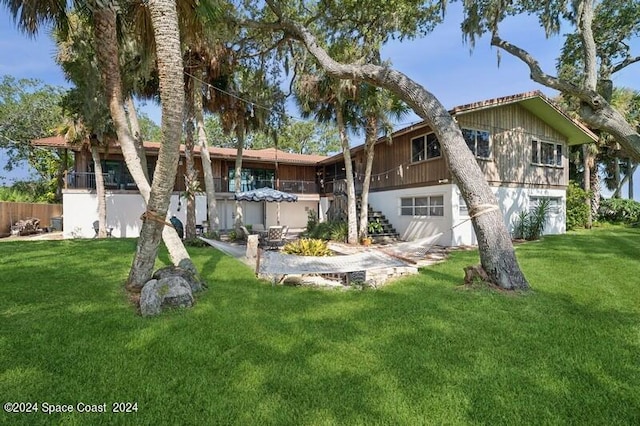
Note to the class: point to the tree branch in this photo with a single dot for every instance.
(625, 63)
(585, 23)
(589, 96)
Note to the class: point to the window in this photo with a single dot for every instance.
(554, 203)
(422, 206)
(425, 148)
(546, 153)
(252, 179)
(462, 206)
(478, 142)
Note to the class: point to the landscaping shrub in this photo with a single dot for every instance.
(307, 247)
(312, 220)
(339, 231)
(577, 209)
(194, 242)
(618, 210)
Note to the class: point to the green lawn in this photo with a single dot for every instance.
(421, 350)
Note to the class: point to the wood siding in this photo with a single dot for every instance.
(511, 129)
(393, 168)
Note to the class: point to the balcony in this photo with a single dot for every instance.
(87, 180)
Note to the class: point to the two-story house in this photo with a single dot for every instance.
(521, 143)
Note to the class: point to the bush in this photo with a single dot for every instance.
(312, 220)
(194, 242)
(577, 209)
(617, 210)
(529, 225)
(307, 247)
(339, 231)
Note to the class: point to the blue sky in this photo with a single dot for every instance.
(441, 62)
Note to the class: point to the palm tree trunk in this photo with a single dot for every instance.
(107, 54)
(191, 178)
(238, 173)
(205, 157)
(352, 237)
(369, 151)
(137, 135)
(100, 192)
(62, 172)
(164, 19)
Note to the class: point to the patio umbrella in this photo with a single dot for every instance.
(269, 195)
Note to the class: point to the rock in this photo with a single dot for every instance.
(176, 271)
(172, 291)
(150, 300)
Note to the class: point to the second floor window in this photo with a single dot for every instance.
(546, 153)
(252, 179)
(478, 142)
(425, 147)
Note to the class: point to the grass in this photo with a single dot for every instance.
(423, 350)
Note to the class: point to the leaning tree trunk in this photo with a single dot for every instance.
(107, 54)
(164, 19)
(369, 151)
(205, 157)
(190, 178)
(100, 193)
(352, 237)
(497, 254)
(238, 173)
(137, 135)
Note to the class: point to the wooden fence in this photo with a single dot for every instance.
(10, 213)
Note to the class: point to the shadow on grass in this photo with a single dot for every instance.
(418, 351)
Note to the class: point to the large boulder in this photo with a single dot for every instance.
(177, 271)
(172, 291)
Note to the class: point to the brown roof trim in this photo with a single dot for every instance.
(267, 154)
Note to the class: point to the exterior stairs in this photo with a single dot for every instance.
(383, 231)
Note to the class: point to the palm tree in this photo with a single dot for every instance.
(85, 102)
(328, 100)
(378, 106)
(32, 13)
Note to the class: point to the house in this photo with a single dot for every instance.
(521, 143)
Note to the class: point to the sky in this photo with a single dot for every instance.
(454, 72)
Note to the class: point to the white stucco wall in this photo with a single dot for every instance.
(415, 227)
(511, 201)
(80, 210)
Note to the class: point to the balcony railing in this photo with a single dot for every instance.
(87, 180)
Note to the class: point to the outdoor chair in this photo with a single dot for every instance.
(274, 238)
(96, 228)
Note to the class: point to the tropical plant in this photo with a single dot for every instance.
(340, 231)
(529, 225)
(308, 247)
(375, 226)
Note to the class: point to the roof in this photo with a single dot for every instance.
(535, 102)
(267, 154)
